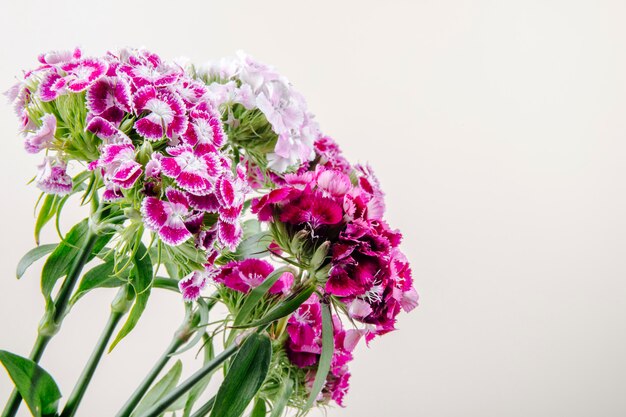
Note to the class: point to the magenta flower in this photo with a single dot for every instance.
(245, 275)
(169, 218)
(60, 57)
(110, 98)
(42, 137)
(106, 130)
(305, 330)
(146, 69)
(163, 113)
(52, 177)
(230, 234)
(118, 164)
(192, 170)
(205, 132)
(192, 285)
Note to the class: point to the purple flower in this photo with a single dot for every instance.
(110, 98)
(169, 218)
(118, 164)
(245, 275)
(191, 285)
(163, 113)
(83, 73)
(52, 177)
(193, 171)
(43, 136)
(106, 130)
(60, 57)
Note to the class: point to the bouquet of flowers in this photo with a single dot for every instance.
(215, 182)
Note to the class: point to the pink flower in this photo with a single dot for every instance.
(83, 73)
(191, 285)
(281, 108)
(118, 164)
(245, 275)
(192, 170)
(205, 131)
(330, 155)
(106, 130)
(163, 113)
(52, 177)
(42, 137)
(146, 69)
(229, 234)
(168, 218)
(110, 98)
(60, 57)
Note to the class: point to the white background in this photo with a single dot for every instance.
(497, 129)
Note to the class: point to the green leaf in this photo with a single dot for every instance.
(100, 276)
(34, 384)
(286, 307)
(61, 259)
(259, 409)
(283, 397)
(253, 298)
(32, 256)
(256, 246)
(165, 385)
(46, 213)
(328, 347)
(141, 281)
(245, 376)
(200, 387)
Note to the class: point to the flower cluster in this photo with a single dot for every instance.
(259, 88)
(187, 154)
(154, 136)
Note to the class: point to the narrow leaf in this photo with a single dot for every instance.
(165, 385)
(253, 298)
(286, 307)
(100, 276)
(141, 281)
(32, 256)
(245, 376)
(61, 259)
(46, 213)
(59, 262)
(259, 409)
(328, 347)
(34, 384)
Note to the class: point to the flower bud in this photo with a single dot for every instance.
(123, 300)
(320, 255)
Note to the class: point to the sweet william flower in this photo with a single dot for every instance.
(170, 219)
(110, 98)
(43, 136)
(193, 170)
(118, 164)
(163, 113)
(60, 57)
(192, 285)
(245, 275)
(52, 177)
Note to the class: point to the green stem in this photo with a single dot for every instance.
(141, 390)
(180, 337)
(186, 385)
(119, 307)
(60, 309)
(205, 409)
